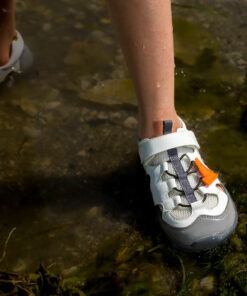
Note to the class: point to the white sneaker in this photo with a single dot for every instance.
(196, 211)
(20, 61)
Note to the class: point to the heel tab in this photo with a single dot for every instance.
(167, 127)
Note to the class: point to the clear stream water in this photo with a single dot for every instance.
(72, 191)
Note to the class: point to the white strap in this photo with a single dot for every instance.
(160, 197)
(171, 184)
(164, 167)
(148, 148)
(171, 203)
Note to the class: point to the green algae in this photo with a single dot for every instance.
(234, 279)
(126, 264)
(88, 57)
(190, 39)
(208, 92)
(114, 91)
(196, 7)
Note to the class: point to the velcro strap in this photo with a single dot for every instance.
(148, 148)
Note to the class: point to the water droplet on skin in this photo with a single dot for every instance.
(158, 85)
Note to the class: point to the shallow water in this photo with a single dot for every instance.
(70, 180)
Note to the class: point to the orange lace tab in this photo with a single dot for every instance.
(208, 176)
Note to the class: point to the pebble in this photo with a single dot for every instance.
(28, 107)
(208, 283)
(94, 212)
(78, 26)
(84, 84)
(74, 56)
(130, 122)
(31, 131)
(46, 27)
(82, 153)
(102, 115)
(53, 105)
(20, 266)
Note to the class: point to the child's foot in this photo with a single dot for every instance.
(196, 211)
(20, 60)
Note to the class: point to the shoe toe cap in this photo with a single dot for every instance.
(206, 232)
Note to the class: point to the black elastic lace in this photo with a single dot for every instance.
(189, 171)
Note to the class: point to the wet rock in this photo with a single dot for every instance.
(102, 115)
(97, 35)
(105, 20)
(28, 106)
(53, 105)
(79, 26)
(82, 153)
(84, 83)
(20, 6)
(46, 27)
(32, 131)
(74, 56)
(88, 57)
(115, 115)
(70, 271)
(21, 265)
(206, 113)
(94, 212)
(43, 11)
(113, 91)
(46, 163)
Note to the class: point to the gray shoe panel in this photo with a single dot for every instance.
(26, 60)
(206, 232)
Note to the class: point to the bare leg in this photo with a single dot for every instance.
(144, 28)
(7, 29)
(145, 31)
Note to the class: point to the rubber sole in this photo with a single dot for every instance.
(204, 244)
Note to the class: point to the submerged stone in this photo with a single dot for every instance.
(130, 122)
(114, 91)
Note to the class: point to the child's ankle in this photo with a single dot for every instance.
(5, 49)
(155, 128)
